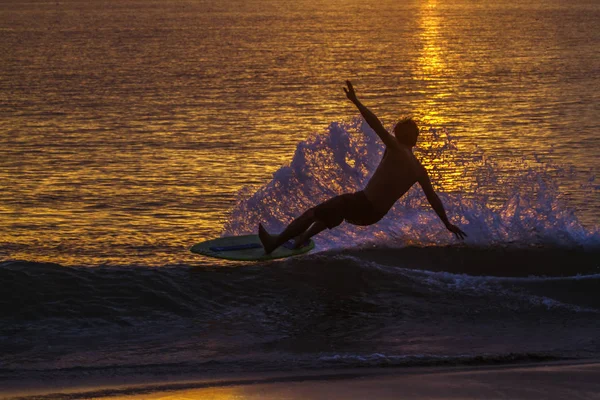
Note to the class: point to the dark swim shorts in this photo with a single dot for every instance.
(355, 208)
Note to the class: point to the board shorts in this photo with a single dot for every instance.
(354, 208)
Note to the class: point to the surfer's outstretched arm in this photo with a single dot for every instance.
(437, 205)
(372, 120)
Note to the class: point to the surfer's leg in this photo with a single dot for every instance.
(329, 213)
(298, 226)
(314, 229)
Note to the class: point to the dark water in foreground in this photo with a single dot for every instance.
(354, 308)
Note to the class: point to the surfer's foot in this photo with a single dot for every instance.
(267, 240)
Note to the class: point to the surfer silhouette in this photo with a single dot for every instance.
(397, 172)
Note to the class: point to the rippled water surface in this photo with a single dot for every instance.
(128, 128)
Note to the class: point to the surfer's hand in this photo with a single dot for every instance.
(350, 93)
(457, 231)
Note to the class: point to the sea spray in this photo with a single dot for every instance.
(514, 203)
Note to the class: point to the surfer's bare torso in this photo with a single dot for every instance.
(398, 170)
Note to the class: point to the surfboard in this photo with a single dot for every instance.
(246, 248)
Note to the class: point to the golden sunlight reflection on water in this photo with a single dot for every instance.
(126, 146)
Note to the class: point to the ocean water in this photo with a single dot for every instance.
(131, 130)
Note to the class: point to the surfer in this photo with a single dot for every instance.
(397, 172)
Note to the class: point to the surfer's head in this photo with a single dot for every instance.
(407, 132)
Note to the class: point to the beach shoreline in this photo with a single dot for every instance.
(549, 380)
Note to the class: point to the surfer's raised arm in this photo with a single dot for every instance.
(436, 203)
(372, 120)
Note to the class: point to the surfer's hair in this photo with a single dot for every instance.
(407, 131)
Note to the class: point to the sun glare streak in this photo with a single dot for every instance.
(433, 112)
(431, 65)
(430, 61)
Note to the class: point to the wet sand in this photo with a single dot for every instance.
(534, 381)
